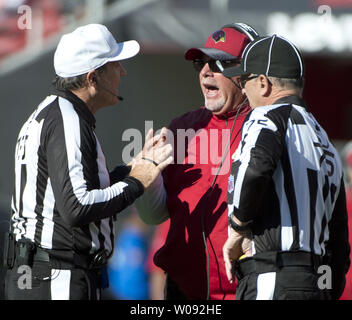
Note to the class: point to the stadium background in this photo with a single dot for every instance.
(160, 84)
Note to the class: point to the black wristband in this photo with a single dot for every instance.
(237, 227)
(150, 160)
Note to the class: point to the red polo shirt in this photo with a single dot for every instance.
(193, 203)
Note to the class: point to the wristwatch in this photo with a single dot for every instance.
(237, 227)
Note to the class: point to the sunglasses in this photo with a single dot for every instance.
(199, 64)
(242, 80)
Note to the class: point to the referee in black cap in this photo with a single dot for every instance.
(287, 209)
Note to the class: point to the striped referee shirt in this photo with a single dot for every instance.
(64, 197)
(287, 178)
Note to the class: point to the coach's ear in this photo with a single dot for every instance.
(265, 85)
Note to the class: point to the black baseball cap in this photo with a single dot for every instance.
(271, 56)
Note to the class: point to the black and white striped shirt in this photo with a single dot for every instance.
(287, 178)
(64, 197)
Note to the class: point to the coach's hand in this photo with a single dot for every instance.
(155, 157)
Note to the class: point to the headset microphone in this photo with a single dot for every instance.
(107, 90)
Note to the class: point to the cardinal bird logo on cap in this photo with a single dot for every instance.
(219, 36)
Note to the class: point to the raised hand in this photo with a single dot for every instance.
(155, 157)
(157, 150)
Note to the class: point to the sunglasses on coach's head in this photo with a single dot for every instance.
(200, 63)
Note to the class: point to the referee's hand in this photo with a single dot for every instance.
(156, 155)
(235, 246)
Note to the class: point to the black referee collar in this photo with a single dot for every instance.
(292, 100)
(81, 108)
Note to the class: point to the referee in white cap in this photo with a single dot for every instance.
(65, 200)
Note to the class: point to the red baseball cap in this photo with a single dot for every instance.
(225, 44)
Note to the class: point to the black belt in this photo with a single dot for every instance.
(41, 255)
(274, 261)
(27, 252)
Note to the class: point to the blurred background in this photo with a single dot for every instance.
(160, 84)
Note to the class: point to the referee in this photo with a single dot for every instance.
(286, 196)
(65, 201)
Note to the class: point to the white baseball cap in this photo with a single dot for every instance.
(88, 48)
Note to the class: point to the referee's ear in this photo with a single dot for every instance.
(265, 86)
(91, 78)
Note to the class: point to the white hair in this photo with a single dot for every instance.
(288, 84)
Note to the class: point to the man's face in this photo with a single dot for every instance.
(252, 89)
(110, 79)
(220, 94)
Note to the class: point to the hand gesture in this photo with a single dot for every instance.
(155, 157)
(157, 150)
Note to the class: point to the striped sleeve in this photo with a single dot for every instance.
(260, 150)
(119, 173)
(71, 150)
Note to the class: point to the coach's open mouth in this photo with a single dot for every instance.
(211, 90)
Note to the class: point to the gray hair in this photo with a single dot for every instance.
(73, 83)
(288, 84)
